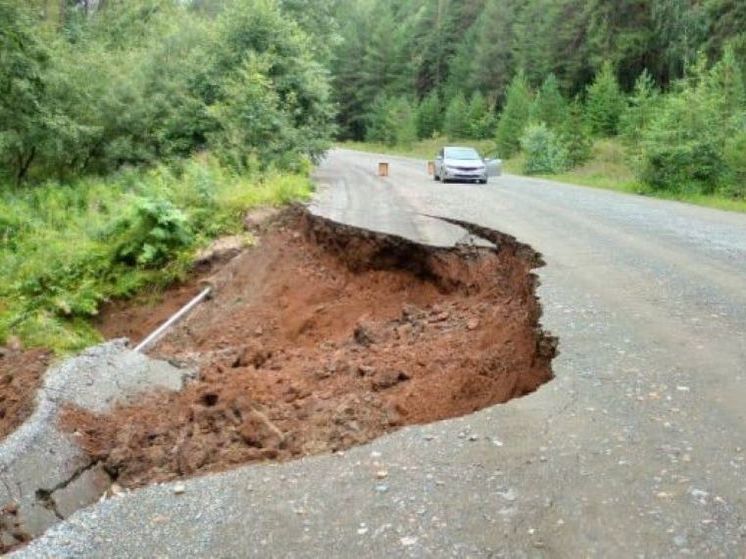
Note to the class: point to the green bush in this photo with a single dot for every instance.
(151, 236)
(686, 166)
(544, 152)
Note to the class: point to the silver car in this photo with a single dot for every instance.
(464, 164)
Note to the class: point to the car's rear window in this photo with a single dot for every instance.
(462, 153)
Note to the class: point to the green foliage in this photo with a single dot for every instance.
(481, 118)
(429, 116)
(681, 150)
(456, 124)
(605, 102)
(255, 41)
(544, 152)
(735, 160)
(253, 131)
(514, 117)
(595, 49)
(152, 234)
(135, 83)
(406, 118)
(413, 48)
(65, 248)
(725, 84)
(393, 121)
(31, 124)
(575, 135)
(643, 105)
(549, 106)
(692, 144)
(379, 127)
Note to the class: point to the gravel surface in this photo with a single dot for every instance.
(637, 448)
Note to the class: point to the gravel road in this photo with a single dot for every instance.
(637, 448)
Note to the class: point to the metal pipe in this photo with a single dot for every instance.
(152, 338)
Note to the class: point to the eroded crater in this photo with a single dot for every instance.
(324, 336)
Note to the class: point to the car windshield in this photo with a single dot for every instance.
(462, 154)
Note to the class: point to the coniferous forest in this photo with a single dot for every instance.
(546, 77)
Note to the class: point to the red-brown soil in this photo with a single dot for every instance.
(136, 318)
(322, 337)
(21, 374)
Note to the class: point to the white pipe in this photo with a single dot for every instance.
(152, 338)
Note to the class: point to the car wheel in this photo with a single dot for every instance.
(483, 181)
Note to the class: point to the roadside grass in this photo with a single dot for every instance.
(608, 169)
(67, 248)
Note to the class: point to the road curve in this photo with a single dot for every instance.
(637, 448)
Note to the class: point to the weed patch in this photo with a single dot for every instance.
(66, 248)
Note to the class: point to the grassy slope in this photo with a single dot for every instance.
(60, 244)
(607, 169)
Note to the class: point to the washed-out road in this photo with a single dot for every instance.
(636, 449)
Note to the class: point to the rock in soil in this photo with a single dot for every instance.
(360, 333)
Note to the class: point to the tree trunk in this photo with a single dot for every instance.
(24, 166)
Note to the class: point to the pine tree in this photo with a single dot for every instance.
(392, 122)
(481, 119)
(576, 136)
(735, 159)
(641, 110)
(514, 117)
(429, 116)
(549, 106)
(456, 123)
(605, 103)
(682, 148)
(403, 118)
(725, 83)
(378, 128)
(493, 54)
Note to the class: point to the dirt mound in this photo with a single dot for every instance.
(322, 337)
(21, 375)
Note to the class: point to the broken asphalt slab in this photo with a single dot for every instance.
(45, 476)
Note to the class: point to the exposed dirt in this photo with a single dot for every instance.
(322, 337)
(21, 374)
(136, 318)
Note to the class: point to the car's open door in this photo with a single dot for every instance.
(494, 167)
